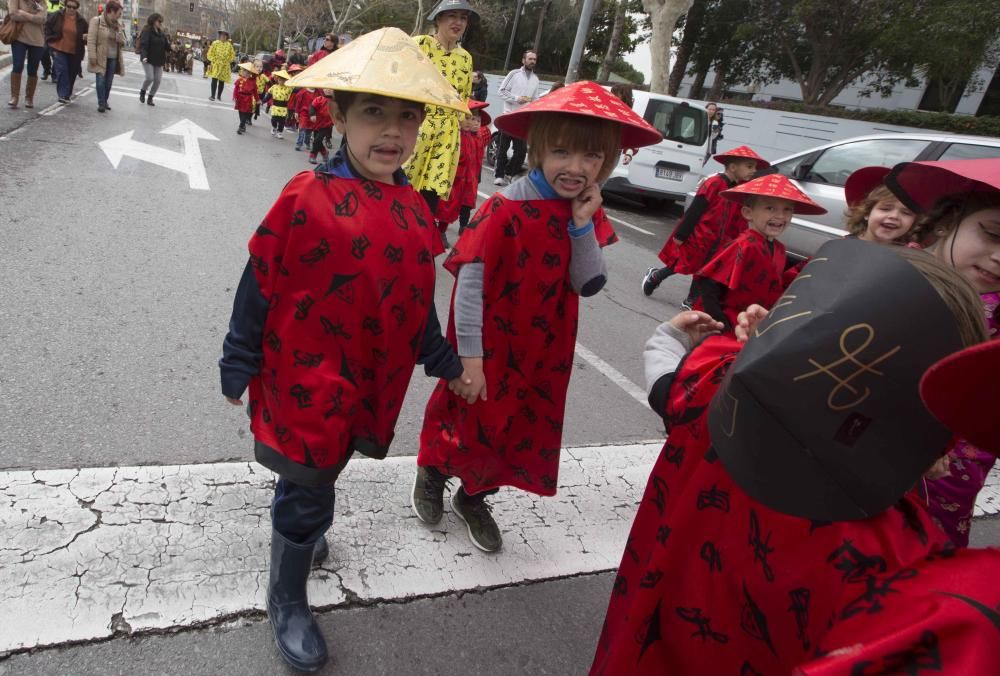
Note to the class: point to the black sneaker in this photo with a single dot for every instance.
(142, 96)
(650, 282)
(475, 512)
(428, 494)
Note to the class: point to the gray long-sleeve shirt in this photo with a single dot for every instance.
(587, 275)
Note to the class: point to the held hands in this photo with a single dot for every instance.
(586, 204)
(471, 385)
(697, 325)
(747, 322)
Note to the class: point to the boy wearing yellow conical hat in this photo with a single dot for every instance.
(334, 310)
(278, 96)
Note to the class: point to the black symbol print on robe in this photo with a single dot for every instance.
(317, 253)
(630, 551)
(876, 589)
(651, 579)
(854, 564)
(283, 433)
(385, 288)
(302, 395)
(398, 213)
(504, 325)
(924, 655)
(503, 387)
(747, 669)
(660, 493)
(264, 231)
(548, 291)
(800, 610)
(704, 629)
(555, 228)
(335, 403)
(347, 206)
(710, 555)
(713, 498)
(393, 254)
(673, 454)
(359, 245)
(259, 264)
(307, 359)
(343, 286)
(372, 191)
(653, 632)
(760, 545)
(911, 520)
(510, 289)
(307, 455)
(346, 372)
(399, 314)
(298, 218)
(273, 341)
(424, 256)
(530, 210)
(663, 534)
(522, 258)
(551, 260)
(512, 227)
(302, 307)
(373, 325)
(621, 586)
(332, 328)
(282, 270)
(754, 622)
(548, 453)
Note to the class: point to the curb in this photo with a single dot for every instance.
(5, 60)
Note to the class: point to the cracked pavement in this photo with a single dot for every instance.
(93, 553)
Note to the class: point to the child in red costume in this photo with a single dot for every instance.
(335, 307)
(521, 265)
(750, 269)
(245, 94)
(300, 102)
(782, 499)
(709, 224)
(321, 123)
(465, 188)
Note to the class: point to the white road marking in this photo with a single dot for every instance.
(988, 501)
(176, 98)
(188, 162)
(610, 217)
(56, 107)
(163, 547)
(614, 375)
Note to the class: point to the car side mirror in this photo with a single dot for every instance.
(801, 171)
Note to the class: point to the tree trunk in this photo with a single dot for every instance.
(719, 85)
(541, 23)
(604, 72)
(698, 85)
(692, 31)
(663, 15)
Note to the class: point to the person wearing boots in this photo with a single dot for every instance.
(220, 56)
(328, 364)
(104, 46)
(65, 34)
(29, 15)
(153, 48)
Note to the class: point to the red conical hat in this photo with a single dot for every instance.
(583, 98)
(742, 153)
(774, 185)
(862, 182)
(963, 392)
(484, 117)
(921, 184)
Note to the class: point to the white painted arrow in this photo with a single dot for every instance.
(187, 162)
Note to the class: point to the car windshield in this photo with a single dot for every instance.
(678, 122)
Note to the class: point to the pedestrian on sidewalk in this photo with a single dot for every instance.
(518, 89)
(277, 96)
(154, 47)
(66, 37)
(709, 223)
(105, 40)
(333, 312)
(245, 94)
(29, 15)
(783, 500)
(220, 56)
(432, 168)
(521, 266)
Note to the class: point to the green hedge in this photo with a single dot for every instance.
(959, 124)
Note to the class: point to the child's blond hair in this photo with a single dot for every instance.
(574, 132)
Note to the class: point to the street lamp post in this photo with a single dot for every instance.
(513, 33)
(573, 73)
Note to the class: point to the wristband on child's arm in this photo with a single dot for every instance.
(577, 233)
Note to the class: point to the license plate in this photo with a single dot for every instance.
(669, 174)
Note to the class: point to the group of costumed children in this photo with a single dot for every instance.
(784, 490)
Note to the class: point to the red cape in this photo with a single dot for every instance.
(347, 268)
(529, 336)
(713, 582)
(721, 223)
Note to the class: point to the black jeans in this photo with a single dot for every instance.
(318, 136)
(278, 123)
(300, 513)
(244, 119)
(217, 84)
(520, 150)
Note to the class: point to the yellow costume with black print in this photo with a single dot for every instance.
(279, 100)
(435, 158)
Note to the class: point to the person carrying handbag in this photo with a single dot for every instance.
(104, 46)
(27, 17)
(65, 34)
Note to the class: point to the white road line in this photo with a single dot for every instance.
(56, 107)
(172, 98)
(988, 501)
(614, 375)
(165, 547)
(486, 196)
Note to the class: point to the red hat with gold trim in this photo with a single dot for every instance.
(587, 99)
(963, 392)
(484, 117)
(774, 185)
(742, 153)
(862, 182)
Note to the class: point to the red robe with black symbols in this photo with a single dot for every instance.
(466, 184)
(245, 94)
(944, 617)
(347, 268)
(720, 223)
(752, 272)
(530, 316)
(714, 582)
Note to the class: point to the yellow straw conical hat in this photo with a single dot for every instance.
(385, 62)
(247, 66)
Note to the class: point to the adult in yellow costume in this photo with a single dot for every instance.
(220, 57)
(431, 169)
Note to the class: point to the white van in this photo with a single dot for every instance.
(673, 167)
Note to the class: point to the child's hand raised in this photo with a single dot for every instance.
(697, 325)
(586, 204)
(748, 320)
